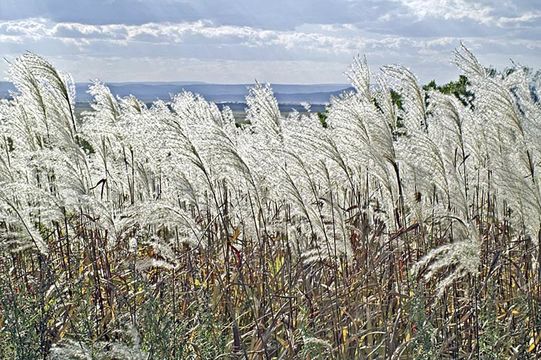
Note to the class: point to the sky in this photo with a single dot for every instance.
(280, 41)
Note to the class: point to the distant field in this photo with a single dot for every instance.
(237, 108)
(218, 93)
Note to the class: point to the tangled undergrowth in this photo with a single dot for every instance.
(171, 232)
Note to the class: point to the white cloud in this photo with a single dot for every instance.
(450, 9)
(175, 33)
(418, 33)
(75, 30)
(520, 20)
(501, 13)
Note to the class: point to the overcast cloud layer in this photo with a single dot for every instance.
(236, 41)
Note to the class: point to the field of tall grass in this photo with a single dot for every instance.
(403, 231)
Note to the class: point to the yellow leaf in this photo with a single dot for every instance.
(344, 333)
(408, 336)
(283, 342)
(235, 235)
(278, 263)
(532, 345)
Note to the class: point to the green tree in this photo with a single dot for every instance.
(457, 88)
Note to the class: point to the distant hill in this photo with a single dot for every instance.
(222, 93)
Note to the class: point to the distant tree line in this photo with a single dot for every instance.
(457, 88)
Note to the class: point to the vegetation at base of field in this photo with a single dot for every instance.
(405, 222)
